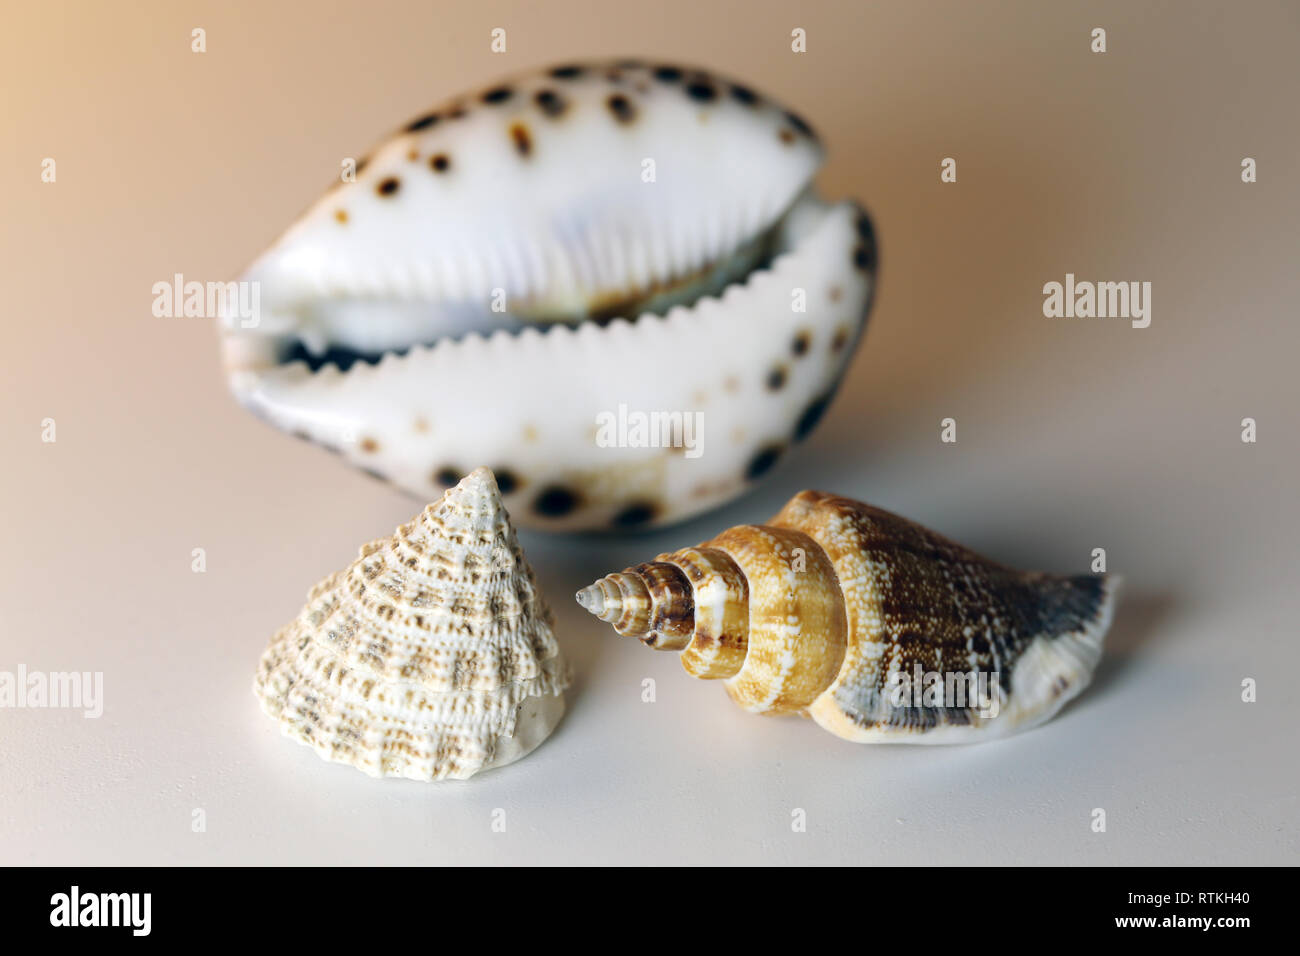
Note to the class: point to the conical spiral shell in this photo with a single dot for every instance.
(841, 611)
(431, 656)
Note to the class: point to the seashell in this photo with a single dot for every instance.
(840, 611)
(611, 282)
(431, 656)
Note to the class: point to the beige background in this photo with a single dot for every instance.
(1072, 434)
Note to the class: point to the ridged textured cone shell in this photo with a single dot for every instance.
(833, 605)
(431, 656)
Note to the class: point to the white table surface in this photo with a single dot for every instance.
(1072, 435)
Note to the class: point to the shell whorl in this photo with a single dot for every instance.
(757, 606)
(831, 605)
(652, 602)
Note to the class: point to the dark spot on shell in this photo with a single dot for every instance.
(389, 186)
(368, 445)
(776, 378)
(841, 339)
(622, 108)
(701, 91)
(457, 112)
(551, 103)
(810, 417)
(498, 94)
(865, 256)
(555, 501)
(668, 74)
(744, 94)
(801, 342)
(787, 137)
(424, 122)
(506, 480)
(798, 123)
(763, 461)
(439, 162)
(566, 72)
(446, 476)
(341, 215)
(636, 514)
(522, 140)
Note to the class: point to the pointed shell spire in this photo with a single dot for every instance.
(431, 656)
(652, 602)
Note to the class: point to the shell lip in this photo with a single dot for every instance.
(306, 272)
(281, 351)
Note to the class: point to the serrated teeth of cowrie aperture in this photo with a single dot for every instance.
(420, 318)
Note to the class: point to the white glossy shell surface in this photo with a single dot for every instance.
(637, 192)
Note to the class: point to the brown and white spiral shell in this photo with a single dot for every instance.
(832, 608)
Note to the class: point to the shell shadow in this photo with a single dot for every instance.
(1136, 626)
(563, 564)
